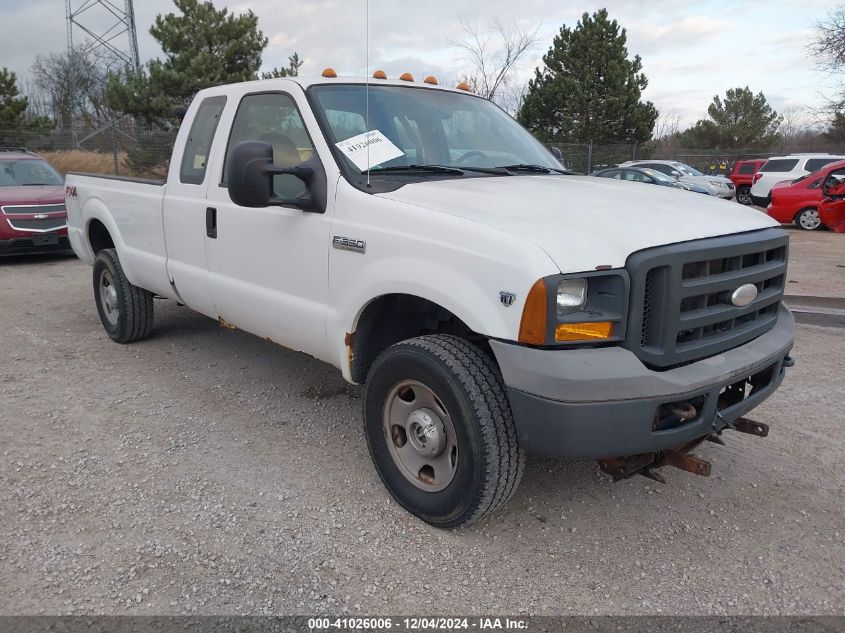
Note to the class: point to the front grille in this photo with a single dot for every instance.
(37, 224)
(681, 296)
(32, 209)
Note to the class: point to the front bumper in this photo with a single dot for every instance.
(596, 403)
(35, 245)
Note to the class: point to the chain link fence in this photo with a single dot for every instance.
(125, 148)
(119, 148)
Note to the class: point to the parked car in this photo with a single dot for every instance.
(742, 176)
(716, 185)
(780, 168)
(32, 204)
(798, 201)
(832, 207)
(645, 175)
(490, 302)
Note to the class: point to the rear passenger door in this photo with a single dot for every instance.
(268, 267)
(184, 211)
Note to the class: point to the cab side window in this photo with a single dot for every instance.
(198, 145)
(274, 119)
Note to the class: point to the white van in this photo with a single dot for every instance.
(780, 168)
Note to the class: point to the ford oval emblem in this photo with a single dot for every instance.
(744, 295)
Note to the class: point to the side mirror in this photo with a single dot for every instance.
(249, 178)
(832, 187)
(675, 174)
(556, 152)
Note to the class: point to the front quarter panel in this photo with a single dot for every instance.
(456, 263)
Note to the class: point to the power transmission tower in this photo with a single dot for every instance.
(106, 24)
(81, 15)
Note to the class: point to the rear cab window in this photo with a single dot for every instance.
(198, 145)
(747, 168)
(780, 165)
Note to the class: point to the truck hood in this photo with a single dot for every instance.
(53, 194)
(583, 222)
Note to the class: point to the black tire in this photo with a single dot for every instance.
(743, 195)
(132, 320)
(808, 219)
(489, 460)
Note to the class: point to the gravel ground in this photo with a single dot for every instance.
(207, 471)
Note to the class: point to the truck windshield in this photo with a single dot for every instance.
(431, 127)
(27, 172)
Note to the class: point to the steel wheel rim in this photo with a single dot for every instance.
(108, 297)
(420, 436)
(809, 219)
(744, 196)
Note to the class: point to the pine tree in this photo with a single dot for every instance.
(12, 104)
(291, 70)
(742, 119)
(203, 47)
(588, 89)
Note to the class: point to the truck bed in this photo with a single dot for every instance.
(131, 210)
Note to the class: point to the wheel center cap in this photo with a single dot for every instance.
(426, 432)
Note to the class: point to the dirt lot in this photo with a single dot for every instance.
(208, 471)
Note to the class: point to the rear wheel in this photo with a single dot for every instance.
(440, 430)
(808, 219)
(126, 311)
(743, 194)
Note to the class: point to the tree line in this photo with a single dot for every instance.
(588, 88)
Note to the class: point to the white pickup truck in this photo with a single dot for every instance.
(490, 302)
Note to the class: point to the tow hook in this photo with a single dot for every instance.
(744, 425)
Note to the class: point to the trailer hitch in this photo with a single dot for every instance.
(645, 463)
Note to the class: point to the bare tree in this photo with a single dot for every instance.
(74, 84)
(668, 123)
(829, 44)
(492, 55)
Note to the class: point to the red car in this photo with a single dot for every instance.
(742, 176)
(798, 201)
(32, 205)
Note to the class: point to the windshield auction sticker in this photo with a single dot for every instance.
(373, 144)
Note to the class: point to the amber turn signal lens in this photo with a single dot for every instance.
(566, 332)
(532, 327)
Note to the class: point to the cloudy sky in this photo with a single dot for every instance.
(691, 50)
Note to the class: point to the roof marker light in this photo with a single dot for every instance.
(379, 74)
(406, 77)
(329, 72)
(463, 86)
(431, 79)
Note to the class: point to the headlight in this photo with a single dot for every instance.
(576, 309)
(718, 183)
(571, 296)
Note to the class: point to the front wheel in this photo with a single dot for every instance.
(743, 195)
(126, 311)
(440, 431)
(808, 219)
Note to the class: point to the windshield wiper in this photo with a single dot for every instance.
(437, 169)
(539, 169)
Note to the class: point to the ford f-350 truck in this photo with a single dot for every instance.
(490, 302)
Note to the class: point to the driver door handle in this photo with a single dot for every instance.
(211, 222)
